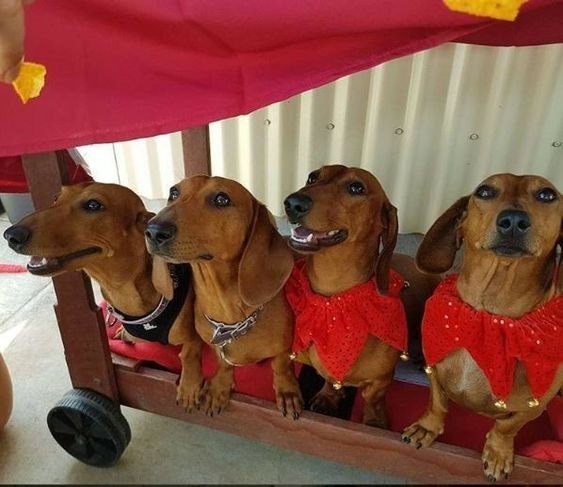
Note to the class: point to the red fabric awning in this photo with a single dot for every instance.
(124, 69)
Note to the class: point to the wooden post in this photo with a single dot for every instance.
(197, 156)
(80, 321)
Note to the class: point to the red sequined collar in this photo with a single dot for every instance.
(495, 342)
(339, 325)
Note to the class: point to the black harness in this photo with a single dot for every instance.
(155, 326)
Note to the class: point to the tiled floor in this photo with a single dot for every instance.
(162, 450)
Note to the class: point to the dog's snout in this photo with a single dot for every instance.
(297, 205)
(513, 223)
(17, 236)
(160, 233)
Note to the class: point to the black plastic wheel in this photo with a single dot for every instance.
(89, 427)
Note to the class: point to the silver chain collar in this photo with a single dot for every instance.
(225, 333)
(144, 320)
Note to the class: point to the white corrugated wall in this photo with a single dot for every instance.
(429, 126)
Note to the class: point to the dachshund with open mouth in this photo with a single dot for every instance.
(99, 228)
(349, 290)
(240, 264)
(493, 334)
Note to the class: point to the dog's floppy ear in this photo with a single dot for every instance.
(161, 278)
(388, 239)
(559, 268)
(437, 250)
(266, 260)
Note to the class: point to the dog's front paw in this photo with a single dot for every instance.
(189, 392)
(290, 402)
(377, 419)
(124, 336)
(325, 403)
(419, 436)
(498, 458)
(215, 397)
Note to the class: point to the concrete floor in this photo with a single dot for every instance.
(162, 450)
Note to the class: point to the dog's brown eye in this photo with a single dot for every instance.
(546, 195)
(485, 192)
(221, 200)
(313, 177)
(92, 206)
(356, 188)
(174, 193)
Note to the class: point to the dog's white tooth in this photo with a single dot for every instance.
(332, 232)
(309, 238)
(44, 261)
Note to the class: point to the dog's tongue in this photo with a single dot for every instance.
(302, 232)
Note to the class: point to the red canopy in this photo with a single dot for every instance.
(124, 69)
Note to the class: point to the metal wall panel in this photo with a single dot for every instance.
(429, 126)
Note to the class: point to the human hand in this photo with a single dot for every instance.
(12, 33)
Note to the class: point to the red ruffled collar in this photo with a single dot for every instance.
(339, 325)
(495, 342)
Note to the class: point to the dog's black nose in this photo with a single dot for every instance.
(17, 236)
(513, 223)
(297, 206)
(160, 232)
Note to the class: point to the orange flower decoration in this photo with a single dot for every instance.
(30, 81)
(496, 9)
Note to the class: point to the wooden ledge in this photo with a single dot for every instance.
(322, 436)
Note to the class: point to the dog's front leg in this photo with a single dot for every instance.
(286, 387)
(190, 386)
(217, 391)
(498, 452)
(375, 413)
(431, 424)
(327, 400)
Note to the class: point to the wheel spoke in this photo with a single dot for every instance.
(87, 422)
(106, 448)
(80, 449)
(98, 432)
(75, 417)
(61, 425)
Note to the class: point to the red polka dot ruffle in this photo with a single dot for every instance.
(495, 342)
(339, 325)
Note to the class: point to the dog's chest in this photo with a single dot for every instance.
(466, 384)
(376, 360)
(265, 338)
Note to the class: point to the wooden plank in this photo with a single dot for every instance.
(80, 321)
(45, 173)
(329, 438)
(197, 155)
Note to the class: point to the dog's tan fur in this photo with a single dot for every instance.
(239, 263)
(371, 221)
(122, 266)
(509, 286)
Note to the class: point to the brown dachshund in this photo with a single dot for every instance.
(343, 218)
(99, 228)
(510, 228)
(240, 264)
